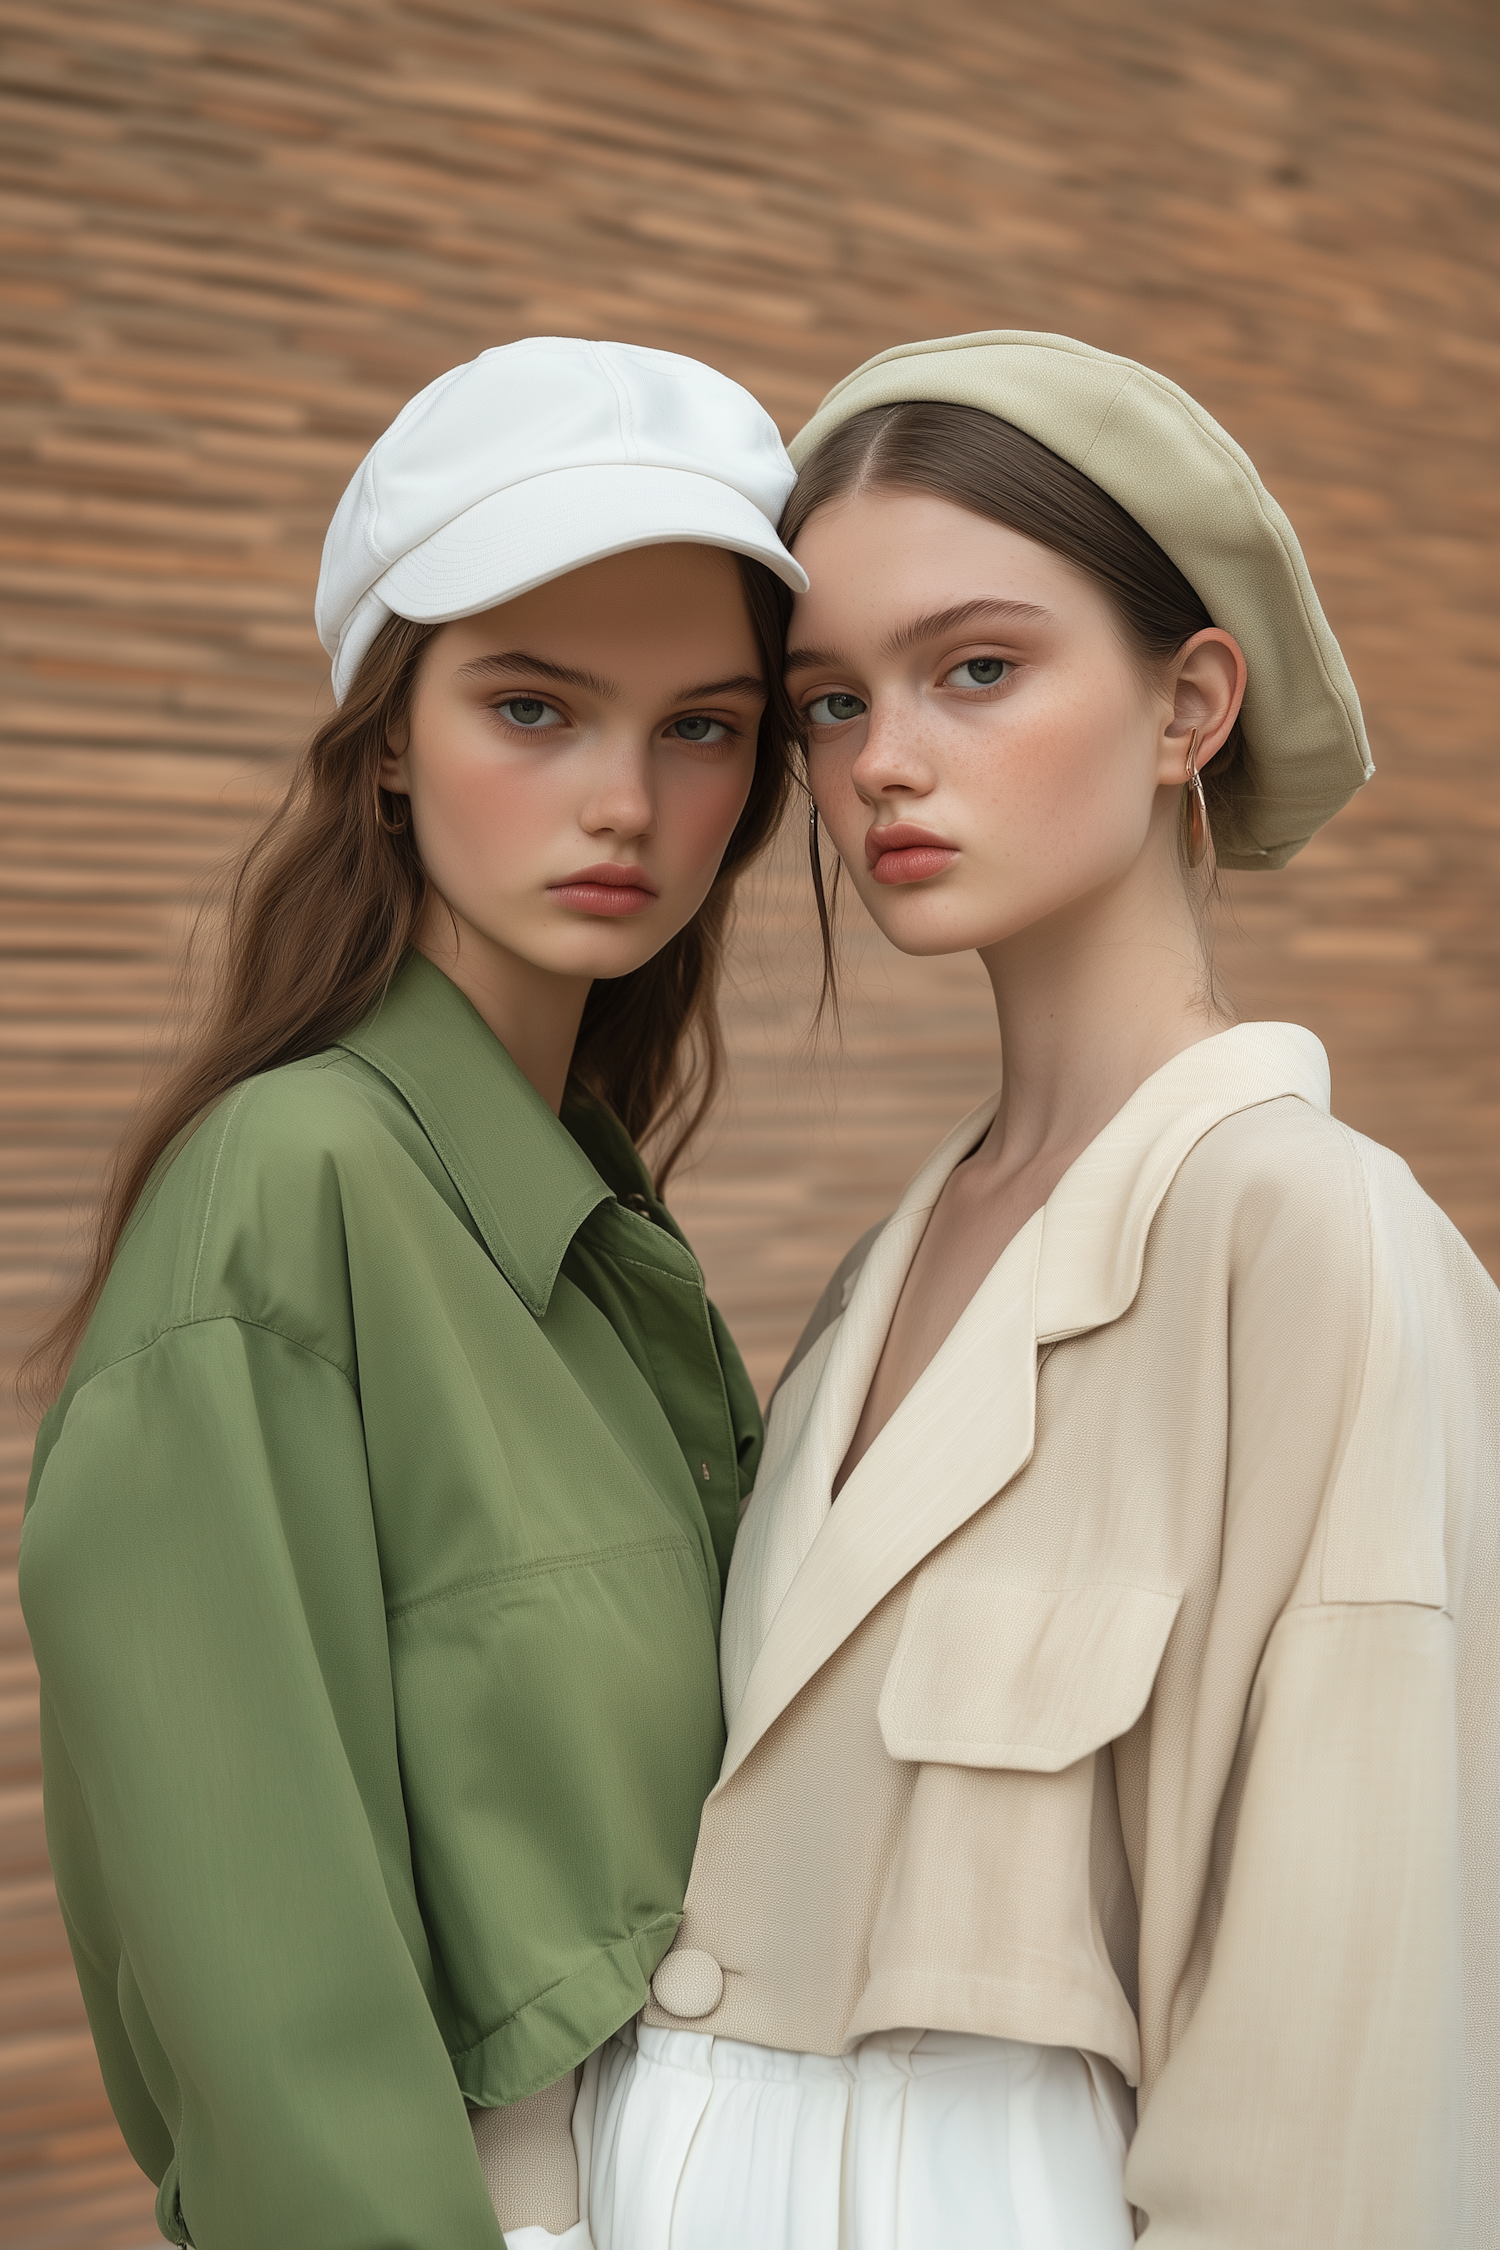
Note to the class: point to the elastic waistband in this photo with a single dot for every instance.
(880, 2055)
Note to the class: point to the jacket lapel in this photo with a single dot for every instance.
(821, 1401)
(805, 1573)
(816, 1410)
(959, 1434)
(1100, 1212)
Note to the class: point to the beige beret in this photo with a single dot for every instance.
(1186, 482)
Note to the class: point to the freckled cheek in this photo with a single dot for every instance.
(1042, 779)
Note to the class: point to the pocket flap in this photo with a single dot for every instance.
(989, 1673)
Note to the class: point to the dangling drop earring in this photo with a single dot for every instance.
(1197, 835)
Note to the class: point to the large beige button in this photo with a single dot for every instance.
(688, 1984)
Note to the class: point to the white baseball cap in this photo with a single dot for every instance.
(532, 460)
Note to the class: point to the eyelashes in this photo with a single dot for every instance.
(839, 705)
(836, 710)
(994, 669)
(711, 730)
(530, 714)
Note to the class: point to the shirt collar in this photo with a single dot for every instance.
(1097, 1218)
(1099, 1214)
(527, 1183)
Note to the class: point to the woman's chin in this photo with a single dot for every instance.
(920, 921)
(596, 949)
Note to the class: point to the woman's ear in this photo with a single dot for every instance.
(393, 775)
(1207, 687)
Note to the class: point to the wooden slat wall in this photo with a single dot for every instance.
(235, 237)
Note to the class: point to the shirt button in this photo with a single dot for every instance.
(688, 1984)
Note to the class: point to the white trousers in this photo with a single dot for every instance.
(930, 2140)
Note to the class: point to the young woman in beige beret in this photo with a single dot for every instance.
(1106, 1842)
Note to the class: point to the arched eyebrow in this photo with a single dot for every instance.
(926, 628)
(513, 662)
(505, 664)
(743, 683)
(938, 621)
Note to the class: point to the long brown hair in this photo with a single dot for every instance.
(325, 903)
(972, 458)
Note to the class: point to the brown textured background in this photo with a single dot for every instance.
(234, 238)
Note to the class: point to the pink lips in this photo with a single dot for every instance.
(905, 854)
(606, 890)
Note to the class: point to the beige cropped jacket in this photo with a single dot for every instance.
(1141, 1692)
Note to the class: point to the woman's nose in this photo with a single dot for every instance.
(620, 801)
(890, 758)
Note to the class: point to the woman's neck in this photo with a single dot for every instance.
(1089, 1005)
(533, 1012)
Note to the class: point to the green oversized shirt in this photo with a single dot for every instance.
(372, 1561)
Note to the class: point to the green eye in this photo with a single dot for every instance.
(835, 710)
(699, 730)
(528, 711)
(979, 671)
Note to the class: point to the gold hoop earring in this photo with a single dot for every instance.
(1197, 836)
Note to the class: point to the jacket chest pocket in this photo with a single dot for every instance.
(990, 1673)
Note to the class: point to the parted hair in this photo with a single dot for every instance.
(325, 903)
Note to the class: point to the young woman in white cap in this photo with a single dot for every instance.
(1106, 1844)
(374, 1546)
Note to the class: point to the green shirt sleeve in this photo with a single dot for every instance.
(201, 1581)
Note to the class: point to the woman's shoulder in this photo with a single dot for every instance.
(1361, 1339)
(248, 1217)
(281, 1135)
(1308, 1159)
(1285, 1180)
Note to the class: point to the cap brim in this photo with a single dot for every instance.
(536, 531)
